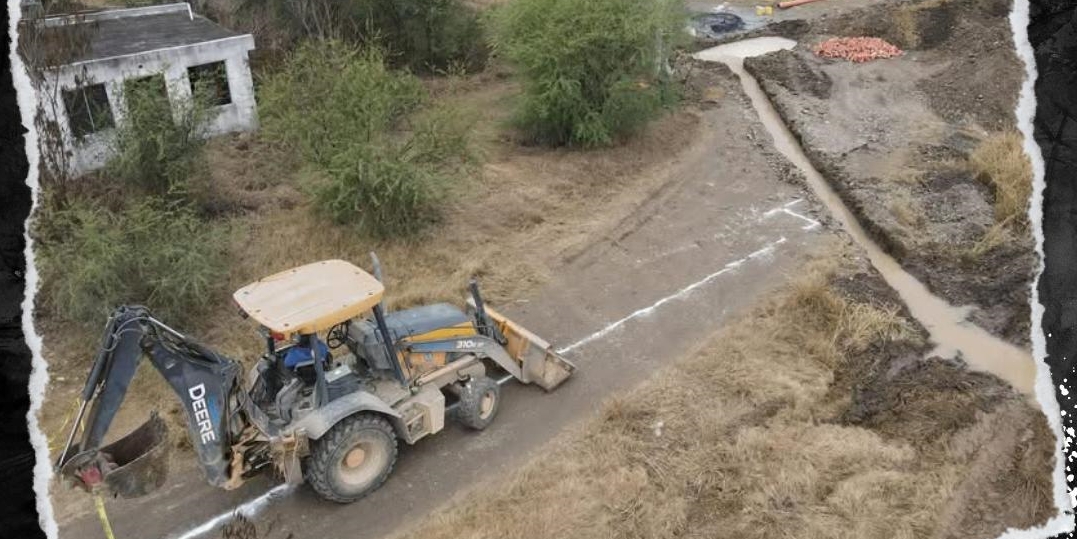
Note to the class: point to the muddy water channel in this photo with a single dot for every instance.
(950, 330)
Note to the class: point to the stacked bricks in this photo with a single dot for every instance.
(857, 49)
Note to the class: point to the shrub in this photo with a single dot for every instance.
(329, 96)
(383, 194)
(383, 158)
(92, 260)
(156, 150)
(593, 71)
(424, 35)
(1000, 161)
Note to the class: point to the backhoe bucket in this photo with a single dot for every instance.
(540, 364)
(130, 467)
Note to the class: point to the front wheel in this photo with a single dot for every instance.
(479, 400)
(353, 459)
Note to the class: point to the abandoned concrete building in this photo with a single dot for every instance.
(165, 45)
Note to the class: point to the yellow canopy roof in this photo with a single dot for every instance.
(310, 298)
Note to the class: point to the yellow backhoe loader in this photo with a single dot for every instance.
(328, 411)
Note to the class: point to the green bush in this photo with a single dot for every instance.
(92, 260)
(383, 158)
(155, 150)
(423, 35)
(329, 96)
(593, 71)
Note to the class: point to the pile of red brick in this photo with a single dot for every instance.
(857, 49)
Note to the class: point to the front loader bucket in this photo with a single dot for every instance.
(130, 467)
(540, 364)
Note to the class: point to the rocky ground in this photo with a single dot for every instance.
(894, 138)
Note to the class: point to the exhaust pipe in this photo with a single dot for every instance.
(486, 326)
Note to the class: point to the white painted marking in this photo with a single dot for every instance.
(812, 223)
(646, 311)
(248, 509)
(754, 216)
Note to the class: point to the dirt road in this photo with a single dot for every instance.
(722, 230)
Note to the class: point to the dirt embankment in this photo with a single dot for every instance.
(894, 138)
(833, 426)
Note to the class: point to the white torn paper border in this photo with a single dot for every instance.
(1044, 389)
(39, 376)
(1063, 522)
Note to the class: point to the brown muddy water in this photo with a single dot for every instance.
(951, 331)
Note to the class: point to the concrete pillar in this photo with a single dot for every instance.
(241, 85)
(116, 100)
(179, 90)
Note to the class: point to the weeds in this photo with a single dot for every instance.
(158, 148)
(423, 35)
(593, 71)
(381, 159)
(995, 237)
(905, 210)
(92, 260)
(1000, 161)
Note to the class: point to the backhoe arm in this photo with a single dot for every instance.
(204, 381)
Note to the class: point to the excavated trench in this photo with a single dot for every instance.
(949, 328)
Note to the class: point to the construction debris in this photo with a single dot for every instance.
(857, 49)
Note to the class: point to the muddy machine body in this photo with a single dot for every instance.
(328, 412)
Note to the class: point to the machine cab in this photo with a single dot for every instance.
(293, 307)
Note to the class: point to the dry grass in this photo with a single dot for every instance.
(740, 440)
(995, 237)
(908, 176)
(905, 210)
(1000, 161)
(908, 20)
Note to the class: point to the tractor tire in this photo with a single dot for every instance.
(479, 401)
(353, 459)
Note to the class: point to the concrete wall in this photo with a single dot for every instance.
(92, 151)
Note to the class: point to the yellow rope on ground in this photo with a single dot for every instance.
(100, 503)
(67, 419)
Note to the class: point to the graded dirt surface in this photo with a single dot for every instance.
(722, 225)
(893, 138)
(834, 425)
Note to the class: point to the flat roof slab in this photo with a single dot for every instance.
(138, 33)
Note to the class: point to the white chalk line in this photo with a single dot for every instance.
(676, 295)
(812, 223)
(248, 509)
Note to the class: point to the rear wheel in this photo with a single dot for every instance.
(479, 400)
(353, 459)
